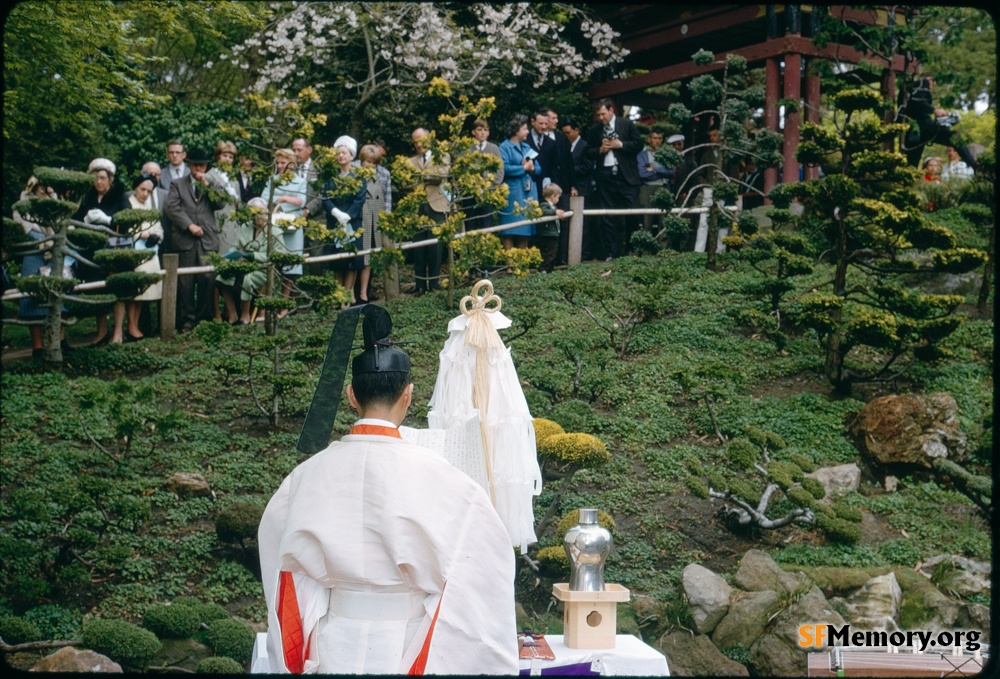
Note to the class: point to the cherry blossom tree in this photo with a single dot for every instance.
(359, 54)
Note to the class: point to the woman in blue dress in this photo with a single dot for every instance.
(521, 174)
(345, 209)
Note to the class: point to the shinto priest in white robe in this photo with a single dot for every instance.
(373, 517)
(379, 557)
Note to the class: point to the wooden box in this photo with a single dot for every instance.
(590, 619)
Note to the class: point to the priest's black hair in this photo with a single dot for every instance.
(379, 388)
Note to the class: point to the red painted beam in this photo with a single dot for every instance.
(689, 27)
(754, 54)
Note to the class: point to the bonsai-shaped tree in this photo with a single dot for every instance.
(467, 178)
(70, 238)
(750, 480)
(779, 256)
(868, 219)
(563, 455)
(979, 207)
(731, 104)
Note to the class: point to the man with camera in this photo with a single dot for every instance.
(614, 144)
(933, 125)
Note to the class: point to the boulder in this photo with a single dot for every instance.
(975, 617)
(924, 605)
(707, 595)
(691, 655)
(186, 484)
(758, 572)
(748, 616)
(909, 429)
(183, 653)
(69, 659)
(647, 608)
(838, 480)
(964, 576)
(778, 653)
(876, 604)
(952, 283)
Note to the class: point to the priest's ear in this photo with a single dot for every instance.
(352, 399)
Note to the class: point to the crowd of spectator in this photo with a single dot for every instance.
(543, 161)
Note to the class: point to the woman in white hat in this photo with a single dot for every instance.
(98, 206)
(344, 212)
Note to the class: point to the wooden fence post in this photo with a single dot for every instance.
(168, 303)
(575, 230)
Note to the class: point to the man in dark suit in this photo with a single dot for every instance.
(193, 234)
(564, 175)
(583, 173)
(539, 140)
(614, 144)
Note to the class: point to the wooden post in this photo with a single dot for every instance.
(772, 70)
(168, 303)
(575, 231)
(793, 91)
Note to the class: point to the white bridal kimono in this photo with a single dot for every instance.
(477, 379)
(378, 556)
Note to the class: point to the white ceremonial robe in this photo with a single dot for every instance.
(509, 429)
(373, 519)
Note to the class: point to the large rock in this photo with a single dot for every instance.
(963, 576)
(186, 484)
(778, 653)
(182, 653)
(691, 655)
(747, 619)
(838, 480)
(707, 595)
(975, 617)
(924, 605)
(876, 604)
(909, 429)
(758, 572)
(69, 659)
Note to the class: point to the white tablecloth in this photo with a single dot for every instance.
(630, 657)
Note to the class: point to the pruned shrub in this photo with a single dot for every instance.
(15, 630)
(553, 562)
(232, 639)
(206, 611)
(171, 621)
(218, 665)
(546, 428)
(127, 644)
(580, 450)
(238, 523)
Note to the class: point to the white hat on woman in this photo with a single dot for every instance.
(102, 164)
(348, 142)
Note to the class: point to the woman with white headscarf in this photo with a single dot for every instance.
(98, 206)
(344, 213)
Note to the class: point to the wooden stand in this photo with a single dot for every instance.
(590, 619)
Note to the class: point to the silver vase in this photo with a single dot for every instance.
(587, 545)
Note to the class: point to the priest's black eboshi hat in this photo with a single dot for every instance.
(378, 356)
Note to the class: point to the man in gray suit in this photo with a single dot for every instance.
(176, 167)
(193, 234)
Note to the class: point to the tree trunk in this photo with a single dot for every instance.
(834, 362)
(713, 235)
(984, 290)
(52, 330)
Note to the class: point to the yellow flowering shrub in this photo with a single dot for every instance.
(581, 450)
(546, 428)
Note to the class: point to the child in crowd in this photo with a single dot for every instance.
(548, 233)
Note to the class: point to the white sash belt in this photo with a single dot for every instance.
(377, 605)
